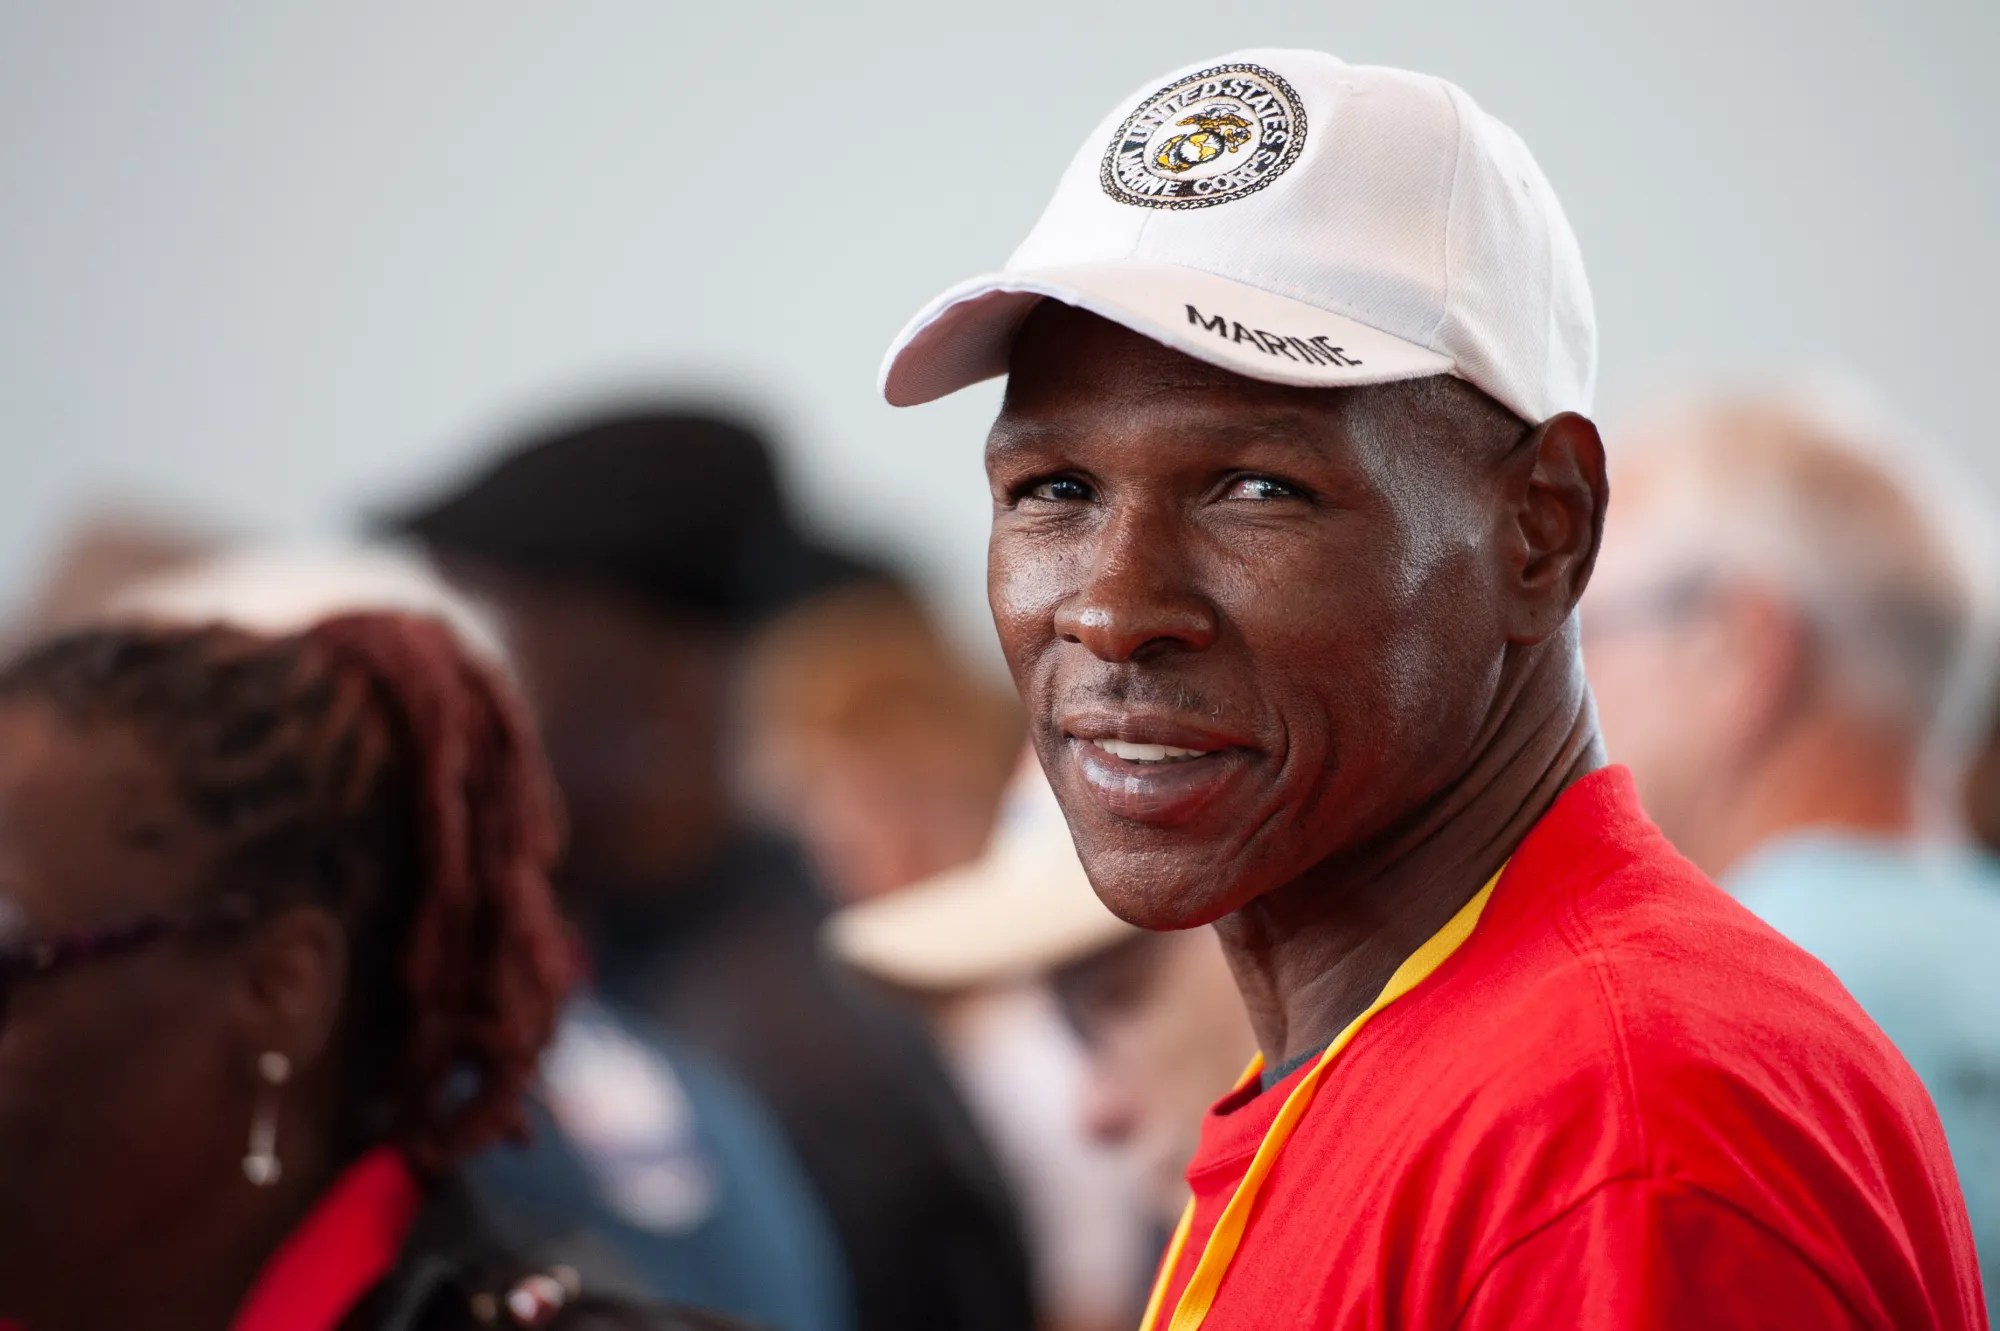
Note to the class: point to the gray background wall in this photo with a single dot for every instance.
(274, 262)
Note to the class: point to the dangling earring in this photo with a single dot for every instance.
(261, 1165)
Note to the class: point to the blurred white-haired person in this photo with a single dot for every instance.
(1787, 605)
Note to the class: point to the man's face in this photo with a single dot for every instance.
(1255, 627)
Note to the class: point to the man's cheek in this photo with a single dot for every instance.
(1024, 621)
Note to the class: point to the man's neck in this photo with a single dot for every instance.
(1311, 956)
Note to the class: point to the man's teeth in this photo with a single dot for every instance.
(1145, 753)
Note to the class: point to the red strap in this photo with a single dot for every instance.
(345, 1246)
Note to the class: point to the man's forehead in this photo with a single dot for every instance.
(1059, 346)
(1219, 424)
(1073, 374)
(1071, 370)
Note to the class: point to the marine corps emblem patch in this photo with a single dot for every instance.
(1209, 138)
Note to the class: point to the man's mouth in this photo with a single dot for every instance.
(1148, 753)
(1157, 769)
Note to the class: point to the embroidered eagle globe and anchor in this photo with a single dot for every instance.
(1214, 132)
(1207, 138)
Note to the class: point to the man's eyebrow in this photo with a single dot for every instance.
(1007, 438)
(1291, 430)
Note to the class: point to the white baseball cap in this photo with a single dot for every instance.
(1022, 908)
(1301, 220)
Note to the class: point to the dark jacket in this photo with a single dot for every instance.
(734, 965)
(454, 1275)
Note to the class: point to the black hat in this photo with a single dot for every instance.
(680, 508)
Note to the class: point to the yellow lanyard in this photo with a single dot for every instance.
(1228, 1235)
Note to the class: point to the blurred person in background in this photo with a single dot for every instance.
(277, 955)
(884, 752)
(648, 1167)
(871, 740)
(629, 556)
(1161, 1031)
(100, 553)
(1773, 632)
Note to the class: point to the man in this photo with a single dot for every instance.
(628, 555)
(1293, 507)
(1767, 546)
(1161, 1032)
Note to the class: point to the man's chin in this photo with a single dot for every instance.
(1161, 904)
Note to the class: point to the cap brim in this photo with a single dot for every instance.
(964, 336)
(989, 922)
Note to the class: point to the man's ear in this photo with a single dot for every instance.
(293, 985)
(1558, 493)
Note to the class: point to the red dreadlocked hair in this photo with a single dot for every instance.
(370, 766)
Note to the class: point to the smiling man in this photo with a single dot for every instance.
(1293, 505)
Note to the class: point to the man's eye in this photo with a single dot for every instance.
(1060, 489)
(1262, 487)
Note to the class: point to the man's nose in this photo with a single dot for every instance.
(1137, 600)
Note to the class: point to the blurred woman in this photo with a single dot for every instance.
(277, 953)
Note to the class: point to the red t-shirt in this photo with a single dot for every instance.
(1623, 1103)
